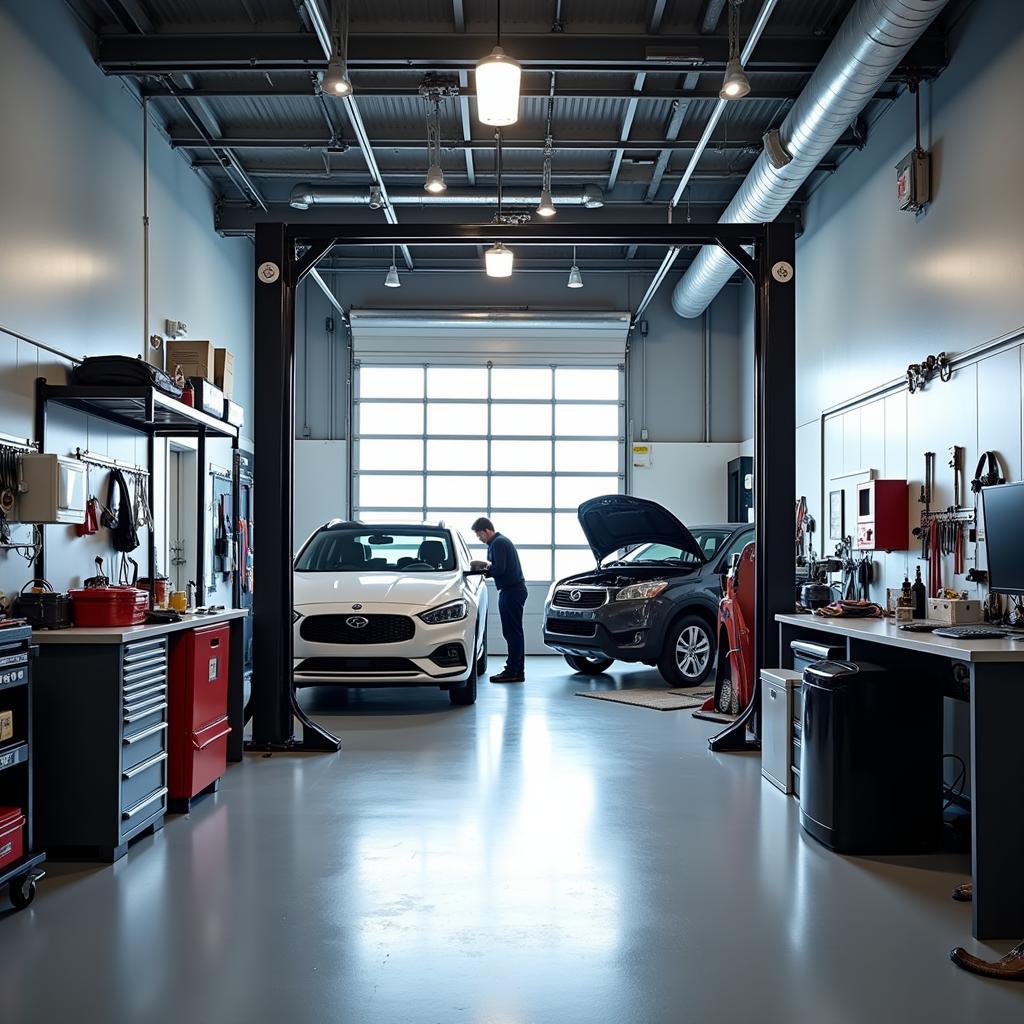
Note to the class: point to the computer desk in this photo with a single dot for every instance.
(996, 680)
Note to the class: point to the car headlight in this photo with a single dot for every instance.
(296, 616)
(452, 612)
(641, 591)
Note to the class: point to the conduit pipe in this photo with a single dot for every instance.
(873, 39)
(304, 196)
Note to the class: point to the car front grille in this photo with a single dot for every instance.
(338, 629)
(579, 597)
(365, 666)
(571, 627)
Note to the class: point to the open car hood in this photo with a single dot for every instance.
(615, 521)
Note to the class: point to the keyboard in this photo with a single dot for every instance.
(970, 633)
(919, 627)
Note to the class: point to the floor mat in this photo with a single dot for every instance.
(715, 716)
(657, 700)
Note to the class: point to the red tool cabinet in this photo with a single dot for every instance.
(198, 713)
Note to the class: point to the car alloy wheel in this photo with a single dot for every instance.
(693, 652)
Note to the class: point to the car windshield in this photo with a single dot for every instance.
(377, 549)
(709, 542)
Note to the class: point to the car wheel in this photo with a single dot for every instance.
(588, 666)
(481, 662)
(688, 653)
(464, 694)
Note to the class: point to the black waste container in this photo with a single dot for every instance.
(870, 759)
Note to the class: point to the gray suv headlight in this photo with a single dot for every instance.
(641, 591)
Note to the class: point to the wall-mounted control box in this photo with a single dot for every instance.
(883, 509)
(55, 490)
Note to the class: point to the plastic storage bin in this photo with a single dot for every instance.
(109, 606)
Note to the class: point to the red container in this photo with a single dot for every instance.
(109, 606)
(197, 744)
(12, 836)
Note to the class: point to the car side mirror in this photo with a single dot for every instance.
(474, 572)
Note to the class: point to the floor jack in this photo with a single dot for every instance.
(734, 675)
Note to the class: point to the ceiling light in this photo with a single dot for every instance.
(546, 208)
(392, 280)
(575, 277)
(775, 150)
(498, 261)
(735, 84)
(335, 80)
(435, 183)
(497, 85)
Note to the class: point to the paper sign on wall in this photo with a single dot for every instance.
(641, 456)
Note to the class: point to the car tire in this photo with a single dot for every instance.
(465, 694)
(481, 662)
(688, 653)
(588, 666)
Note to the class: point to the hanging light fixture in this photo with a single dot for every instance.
(735, 84)
(336, 80)
(498, 259)
(546, 207)
(392, 280)
(575, 277)
(435, 183)
(497, 85)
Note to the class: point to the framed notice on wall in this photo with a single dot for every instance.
(835, 515)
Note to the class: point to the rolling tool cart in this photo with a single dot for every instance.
(19, 860)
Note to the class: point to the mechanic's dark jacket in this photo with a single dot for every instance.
(505, 569)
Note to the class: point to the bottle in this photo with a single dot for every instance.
(188, 395)
(905, 603)
(920, 597)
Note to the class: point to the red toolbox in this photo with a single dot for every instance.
(109, 606)
(198, 712)
(12, 836)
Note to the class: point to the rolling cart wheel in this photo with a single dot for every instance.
(22, 891)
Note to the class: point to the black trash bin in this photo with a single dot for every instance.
(870, 759)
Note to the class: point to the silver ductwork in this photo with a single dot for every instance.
(873, 39)
(304, 196)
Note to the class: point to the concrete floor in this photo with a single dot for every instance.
(535, 859)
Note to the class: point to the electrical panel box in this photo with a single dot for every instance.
(883, 509)
(55, 490)
(913, 181)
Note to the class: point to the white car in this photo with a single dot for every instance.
(389, 605)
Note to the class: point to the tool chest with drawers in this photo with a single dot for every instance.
(101, 718)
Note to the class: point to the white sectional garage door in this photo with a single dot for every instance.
(518, 417)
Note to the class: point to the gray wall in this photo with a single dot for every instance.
(675, 347)
(71, 245)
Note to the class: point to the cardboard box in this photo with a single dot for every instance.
(224, 370)
(955, 612)
(196, 358)
(6, 726)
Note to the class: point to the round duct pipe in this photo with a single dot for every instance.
(873, 39)
(306, 195)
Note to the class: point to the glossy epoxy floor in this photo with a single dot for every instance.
(536, 859)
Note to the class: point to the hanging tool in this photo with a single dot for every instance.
(956, 463)
(934, 560)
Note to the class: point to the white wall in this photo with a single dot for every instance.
(321, 486)
(689, 479)
(71, 247)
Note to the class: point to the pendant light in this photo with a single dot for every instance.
(497, 259)
(546, 207)
(497, 85)
(336, 80)
(735, 84)
(434, 183)
(392, 280)
(575, 277)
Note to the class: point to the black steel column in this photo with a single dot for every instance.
(202, 473)
(273, 433)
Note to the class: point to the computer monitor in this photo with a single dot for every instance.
(1004, 537)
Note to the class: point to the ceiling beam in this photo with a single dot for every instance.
(712, 15)
(627, 124)
(162, 53)
(672, 128)
(655, 14)
(131, 15)
(459, 17)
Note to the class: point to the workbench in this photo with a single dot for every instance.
(100, 704)
(993, 671)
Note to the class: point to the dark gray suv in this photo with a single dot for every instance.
(657, 604)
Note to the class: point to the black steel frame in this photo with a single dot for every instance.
(285, 253)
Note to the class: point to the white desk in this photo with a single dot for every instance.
(996, 679)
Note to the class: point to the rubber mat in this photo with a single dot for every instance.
(656, 700)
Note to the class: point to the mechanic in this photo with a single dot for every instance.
(503, 567)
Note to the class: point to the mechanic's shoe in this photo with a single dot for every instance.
(505, 676)
(1009, 967)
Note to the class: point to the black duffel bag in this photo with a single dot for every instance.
(124, 372)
